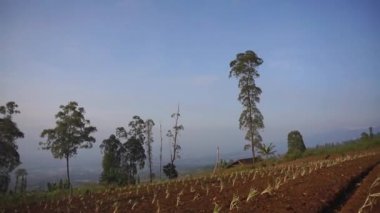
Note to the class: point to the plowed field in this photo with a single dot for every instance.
(327, 185)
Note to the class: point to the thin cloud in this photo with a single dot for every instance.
(204, 80)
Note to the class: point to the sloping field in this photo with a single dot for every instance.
(328, 185)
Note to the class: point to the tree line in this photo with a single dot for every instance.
(124, 153)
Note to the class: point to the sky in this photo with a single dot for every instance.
(117, 59)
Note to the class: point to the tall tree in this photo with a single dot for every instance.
(131, 152)
(149, 140)
(160, 149)
(112, 150)
(251, 119)
(121, 160)
(135, 153)
(9, 133)
(170, 169)
(295, 142)
(134, 158)
(71, 133)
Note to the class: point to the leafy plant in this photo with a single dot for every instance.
(265, 150)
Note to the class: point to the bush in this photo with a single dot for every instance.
(170, 171)
(296, 144)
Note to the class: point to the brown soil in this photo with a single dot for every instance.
(314, 193)
(304, 188)
(358, 198)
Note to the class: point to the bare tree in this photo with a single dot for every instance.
(160, 149)
(170, 169)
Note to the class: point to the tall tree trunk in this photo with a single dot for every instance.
(150, 163)
(160, 151)
(68, 174)
(253, 152)
(251, 125)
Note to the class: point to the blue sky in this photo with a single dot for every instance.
(117, 59)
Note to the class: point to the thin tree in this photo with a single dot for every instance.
(217, 160)
(9, 133)
(72, 132)
(251, 119)
(160, 150)
(149, 140)
(170, 169)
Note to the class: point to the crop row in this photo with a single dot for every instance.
(211, 192)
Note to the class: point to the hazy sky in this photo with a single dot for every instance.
(321, 69)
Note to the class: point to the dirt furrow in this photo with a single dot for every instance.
(318, 192)
(359, 196)
(321, 190)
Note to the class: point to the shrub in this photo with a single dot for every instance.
(170, 171)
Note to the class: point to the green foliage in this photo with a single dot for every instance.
(71, 133)
(122, 160)
(293, 155)
(134, 158)
(343, 147)
(251, 119)
(265, 150)
(295, 143)
(112, 150)
(9, 133)
(170, 171)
